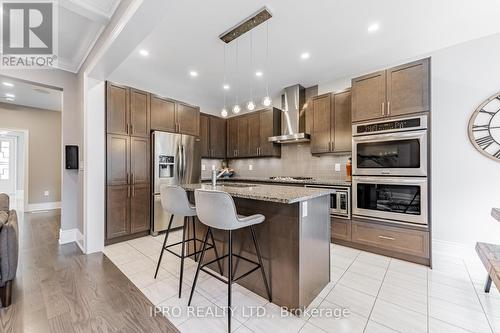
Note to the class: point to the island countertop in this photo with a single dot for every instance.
(264, 192)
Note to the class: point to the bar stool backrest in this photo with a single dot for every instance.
(216, 209)
(174, 201)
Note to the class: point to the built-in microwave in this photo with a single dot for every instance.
(340, 201)
(395, 147)
(402, 199)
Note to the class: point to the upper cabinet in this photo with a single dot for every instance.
(127, 111)
(331, 129)
(397, 91)
(172, 116)
(212, 136)
(247, 135)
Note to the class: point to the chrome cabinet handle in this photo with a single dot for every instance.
(133, 191)
(387, 238)
(388, 108)
(128, 191)
(383, 108)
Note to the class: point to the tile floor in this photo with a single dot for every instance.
(381, 294)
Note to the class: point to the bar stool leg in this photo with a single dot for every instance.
(199, 266)
(164, 244)
(229, 280)
(216, 253)
(487, 285)
(194, 236)
(183, 247)
(259, 257)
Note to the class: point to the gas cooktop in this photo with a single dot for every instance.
(285, 178)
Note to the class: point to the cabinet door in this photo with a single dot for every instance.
(218, 137)
(368, 97)
(118, 153)
(117, 109)
(253, 134)
(139, 208)
(205, 135)
(117, 211)
(232, 137)
(408, 88)
(341, 229)
(321, 126)
(243, 142)
(139, 160)
(270, 125)
(163, 114)
(188, 119)
(139, 113)
(342, 126)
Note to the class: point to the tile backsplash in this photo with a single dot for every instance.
(296, 160)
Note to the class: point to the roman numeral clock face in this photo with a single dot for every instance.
(484, 128)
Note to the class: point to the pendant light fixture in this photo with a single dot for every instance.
(251, 104)
(224, 112)
(267, 101)
(236, 107)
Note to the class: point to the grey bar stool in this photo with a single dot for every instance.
(216, 210)
(174, 201)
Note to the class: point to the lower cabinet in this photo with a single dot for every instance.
(128, 210)
(341, 229)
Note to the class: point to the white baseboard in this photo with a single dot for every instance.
(79, 240)
(43, 206)
(67, 236)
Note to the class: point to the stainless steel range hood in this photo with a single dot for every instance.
(293, 116)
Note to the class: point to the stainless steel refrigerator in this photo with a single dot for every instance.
(177, 160)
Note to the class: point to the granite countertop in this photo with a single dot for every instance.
(264, 192)
(316, 181)
(495, 212)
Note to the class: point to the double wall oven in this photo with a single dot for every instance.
(390, 167)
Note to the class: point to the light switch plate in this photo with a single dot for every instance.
(250, 167)
(46, 193)
(203, 167)
(213, 167)
(337, 167)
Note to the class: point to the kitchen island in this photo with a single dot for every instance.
(294, 239)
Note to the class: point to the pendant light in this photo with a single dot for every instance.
(224, 112)
(236, 107)
(267, 101)
(251, 104)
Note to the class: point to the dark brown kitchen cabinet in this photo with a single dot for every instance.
(117, 211)
(188, 119)
(139, 208)
(212, 136)
(232, 137)
(117, 109)
(270, 125)
(393, 92)
(243, 137)
(205, 135)
(139, 113)
(218, 137)
(253, 133)
(163, 114)
(331, 123)
(139, 160)
(118, 159)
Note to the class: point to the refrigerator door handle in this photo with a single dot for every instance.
(183, 164)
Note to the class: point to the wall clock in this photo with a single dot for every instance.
(484, 127)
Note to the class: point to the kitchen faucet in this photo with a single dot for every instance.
(216, 176)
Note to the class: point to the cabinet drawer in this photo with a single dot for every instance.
(406, 241)
(341, 229)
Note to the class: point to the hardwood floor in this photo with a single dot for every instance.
(58, 289)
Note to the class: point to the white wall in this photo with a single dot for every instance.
(465, 184)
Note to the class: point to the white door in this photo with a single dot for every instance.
(8, 165)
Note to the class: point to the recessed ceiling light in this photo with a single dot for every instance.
(193, 73)
(226, 87)
(305, 55)
(144, 53)
(373, 27)
(259, 73)
(8, 84)
(10, 95)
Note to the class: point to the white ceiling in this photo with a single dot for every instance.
(27, 94)
(80, 24)
(333, 31)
